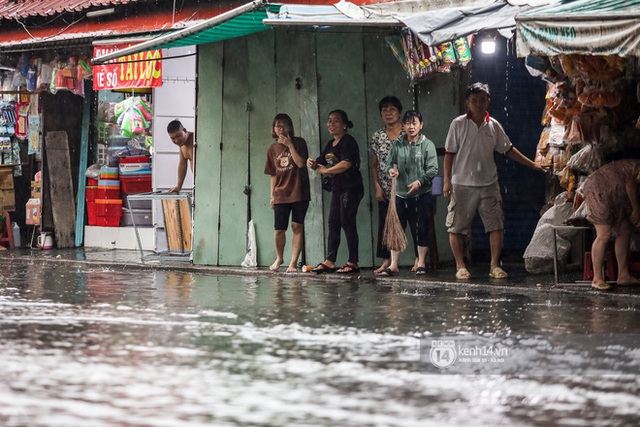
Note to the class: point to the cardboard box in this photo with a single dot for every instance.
(7, 200)
(36, 190)
(33, 212)
(6, 178)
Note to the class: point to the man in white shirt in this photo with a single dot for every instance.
(471, 177)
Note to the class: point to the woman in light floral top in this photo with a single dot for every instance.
(381, 141)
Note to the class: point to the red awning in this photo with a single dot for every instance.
(24, 8)
(12, 40)
(10, 9)
(155, 22)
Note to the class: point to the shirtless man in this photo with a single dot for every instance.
(183, 139)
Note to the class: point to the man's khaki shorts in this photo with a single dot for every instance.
(465, 201)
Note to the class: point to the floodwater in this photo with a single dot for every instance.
(82, 347)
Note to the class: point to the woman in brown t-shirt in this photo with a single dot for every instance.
(290, 193)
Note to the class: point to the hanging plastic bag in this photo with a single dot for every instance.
(121, 107)
(251, 258)
(132, 122)
(143, 108)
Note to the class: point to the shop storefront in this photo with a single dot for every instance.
(341, 62)
(588, 52)
(55, 126)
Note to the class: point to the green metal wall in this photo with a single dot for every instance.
(244, 82)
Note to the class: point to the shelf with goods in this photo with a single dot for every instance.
(592, 114)
(123, 144)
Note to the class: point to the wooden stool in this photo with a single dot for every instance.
(7, 236)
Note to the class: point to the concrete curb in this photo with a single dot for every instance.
(128, 260)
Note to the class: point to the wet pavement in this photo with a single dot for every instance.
(98, 338)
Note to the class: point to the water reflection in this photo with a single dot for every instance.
(144, 348)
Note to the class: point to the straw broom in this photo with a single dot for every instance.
(393, 236)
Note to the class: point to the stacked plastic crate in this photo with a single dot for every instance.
(91, 194)
(135, 178)
(108, 205)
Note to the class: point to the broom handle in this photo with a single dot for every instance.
(393, 183)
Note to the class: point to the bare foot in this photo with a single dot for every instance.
(626, 280)
(415, 265)
(291, 269)
(276, 265)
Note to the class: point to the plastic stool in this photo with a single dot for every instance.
(7, 236)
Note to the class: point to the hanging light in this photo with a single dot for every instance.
(488, 44)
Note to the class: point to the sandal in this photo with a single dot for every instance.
(498, 273)
(601, 285)
(379, 270)
(463, 274)
(387, 272)
(421, 271)
(323, 268)
(349, 268)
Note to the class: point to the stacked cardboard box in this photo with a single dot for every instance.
(7, 196)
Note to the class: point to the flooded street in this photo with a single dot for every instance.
(98, 346)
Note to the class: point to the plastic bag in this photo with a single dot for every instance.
(93, 171)
(121, 107)
(132, 122)
(144, 109)
(586, 160)
(540, 249)
(251, 258)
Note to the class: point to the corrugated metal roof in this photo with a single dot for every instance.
(237, 22)
(245, 24)
(10, 9)
(149, 23)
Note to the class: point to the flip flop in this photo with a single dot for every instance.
(349, 268)
(387, 272)
(498, 273)
(601, 286)
(421, 271)
(463, 274)
(378, 270)
(323, 268)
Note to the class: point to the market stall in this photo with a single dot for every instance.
(588, 52)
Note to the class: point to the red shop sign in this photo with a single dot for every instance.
(139, 70)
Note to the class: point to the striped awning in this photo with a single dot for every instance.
(589, 27)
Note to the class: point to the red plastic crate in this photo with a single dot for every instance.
(108, 193)
(136, 184)
(109, 207)
(134, 159)
(109, 212)
(109, 221)
(92, 212)
(610, 267)
(91, 193)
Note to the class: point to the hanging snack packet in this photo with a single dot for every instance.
(463, 53)
(447, 53)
